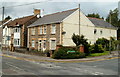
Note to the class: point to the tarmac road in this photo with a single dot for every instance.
(11, 66)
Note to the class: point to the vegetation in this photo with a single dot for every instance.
(98, 54)
(114, 20)
(95, 15)
(8, 17)
(96, 49)
(104, 42)
(81, 40)
(62, 53)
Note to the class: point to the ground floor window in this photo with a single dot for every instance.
(53, 44)
(33, 43)
(16, 41)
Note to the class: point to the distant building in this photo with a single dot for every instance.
(57, 29)
(16, 31)
(1, 29)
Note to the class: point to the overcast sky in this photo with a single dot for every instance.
(51, 7)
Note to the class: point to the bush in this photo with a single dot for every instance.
(96, 48)
(104, 42)
(62, 54)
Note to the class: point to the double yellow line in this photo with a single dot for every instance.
(60, 61)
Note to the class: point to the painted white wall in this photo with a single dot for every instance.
(106, 33)
(71, 25)
(7, 32)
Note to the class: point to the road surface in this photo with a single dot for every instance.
(11, 66)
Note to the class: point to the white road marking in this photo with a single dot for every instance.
(13, 66)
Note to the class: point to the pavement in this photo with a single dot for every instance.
(27, 57)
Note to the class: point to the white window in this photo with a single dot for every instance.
(33, 31)
(45, 29)
(53, 29)
(53, 45)
(33, 43)
(16, 30)
(41, 30)
(16, 41)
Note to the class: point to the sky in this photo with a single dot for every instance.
(49, 7)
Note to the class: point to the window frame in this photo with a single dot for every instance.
(45, 30)
(53, 29)
(33, 43)
(32, 31)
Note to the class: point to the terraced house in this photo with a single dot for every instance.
(16, 30)
(57, 29)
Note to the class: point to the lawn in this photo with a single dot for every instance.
(98, 54)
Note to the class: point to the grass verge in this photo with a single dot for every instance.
(98, 54)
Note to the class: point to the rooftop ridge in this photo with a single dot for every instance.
(23, 17)
(61, 12)
(95, 18)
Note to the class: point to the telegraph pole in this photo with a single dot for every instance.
(110, 39)
(79, 19)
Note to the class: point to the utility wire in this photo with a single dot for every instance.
(26, 4)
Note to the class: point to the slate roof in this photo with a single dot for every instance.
(20, 21)
(53, 18)
(100, 23)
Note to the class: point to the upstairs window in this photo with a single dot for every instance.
(53, 29)
(33, 31)
(45, 29)
(16, 30)
(41, 30)
(101, 32)
(95, 31)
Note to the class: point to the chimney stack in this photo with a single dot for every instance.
(36, 12)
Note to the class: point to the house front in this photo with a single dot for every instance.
(2, 32)
(57, 29)
(17, 30)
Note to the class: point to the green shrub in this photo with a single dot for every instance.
(62, 54)
(96, 48)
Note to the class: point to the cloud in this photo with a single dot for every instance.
(52, 7)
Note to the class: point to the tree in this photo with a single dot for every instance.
(8, 17)
(95, 15)
(115, 21)
(78, 40)
(104, 42)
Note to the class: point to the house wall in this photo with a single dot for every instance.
(7, 31)
(48, 36)
(106, 33)
(71, 25)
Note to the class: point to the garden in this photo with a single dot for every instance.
(101, 47)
